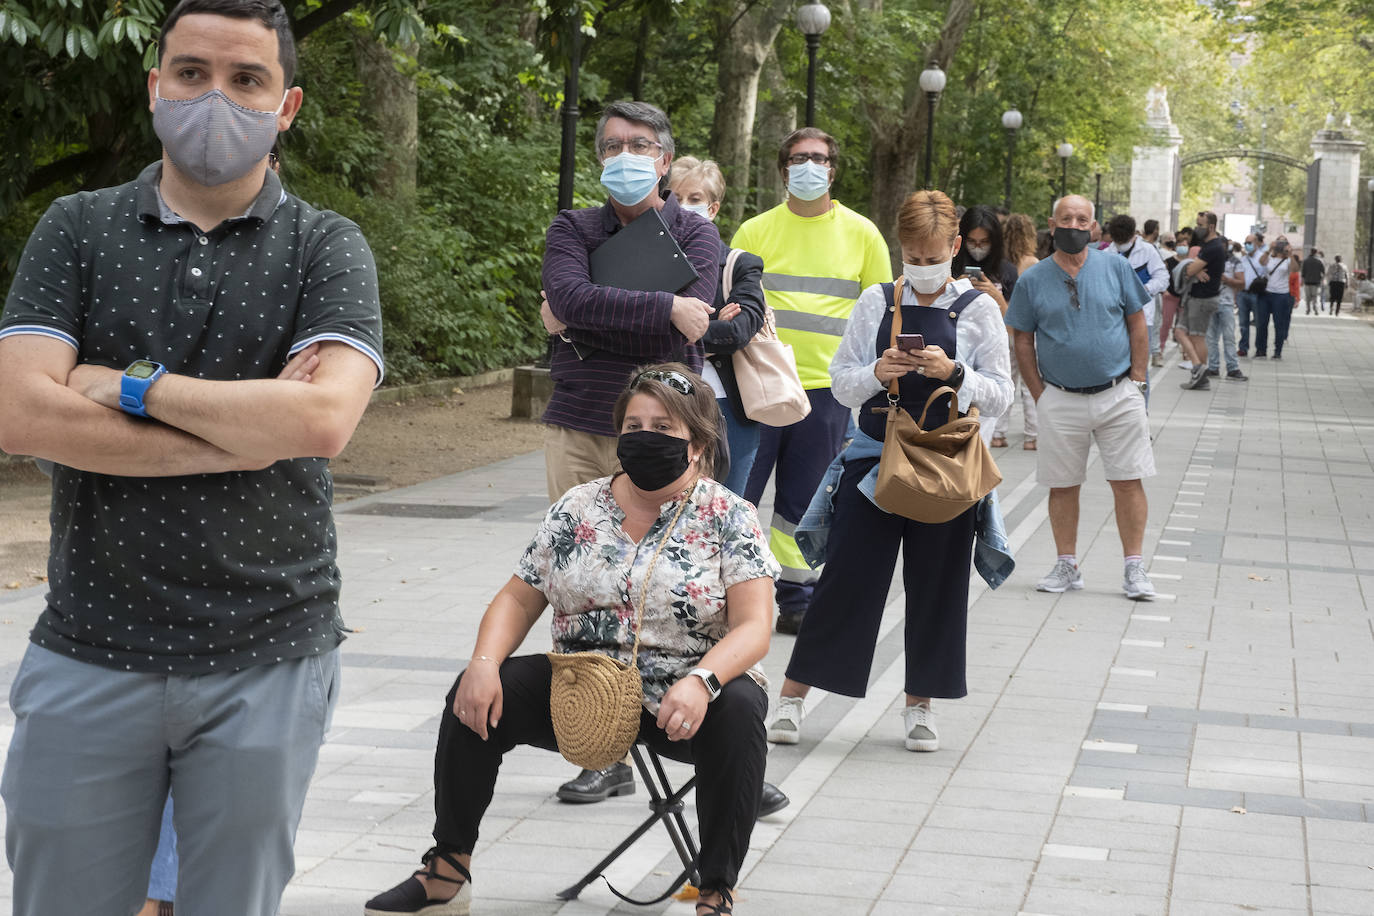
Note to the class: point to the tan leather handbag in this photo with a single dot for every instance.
(931, 476)
(595, 700)
(766, 369)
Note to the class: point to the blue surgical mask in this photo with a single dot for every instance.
(1249, 247)
(630, 178)
(1181, 251)
(808, 181)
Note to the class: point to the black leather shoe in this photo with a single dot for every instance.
(789, 624)
(772, 801)
(598, 785)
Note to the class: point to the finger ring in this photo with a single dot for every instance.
(686, 726)
(462, 712)
(920, 370)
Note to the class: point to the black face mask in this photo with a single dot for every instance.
(653, 460)
(1070, 241)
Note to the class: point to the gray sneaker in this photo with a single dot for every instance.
(1063, 577)
(918, 724)
(1137, 585)
(786, 726)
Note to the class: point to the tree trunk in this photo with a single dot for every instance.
(391, 106)
(744, 34)
(899, 137)
(777, 118)
(641, 58)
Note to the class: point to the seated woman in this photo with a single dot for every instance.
(705, 627)
(965, 348)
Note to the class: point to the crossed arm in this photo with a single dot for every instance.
(53, 408)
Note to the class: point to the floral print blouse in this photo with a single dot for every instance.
(592, 574)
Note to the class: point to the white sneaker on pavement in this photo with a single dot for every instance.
(919, 727)
(786, 725)
(1136, 584)
(1063, 577)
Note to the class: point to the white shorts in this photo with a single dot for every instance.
(1116, 418)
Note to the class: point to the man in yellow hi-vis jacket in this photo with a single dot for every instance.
(818, 255)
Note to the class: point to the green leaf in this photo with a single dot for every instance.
(118, 31)
(73, 43)
(88, 43)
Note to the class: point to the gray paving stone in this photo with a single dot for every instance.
(1304, 807)
(1183, 795)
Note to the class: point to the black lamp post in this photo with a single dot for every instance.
(1369, 251)
(567, 163)
(812, 20)
(933, 82)
(1065, 150)
(1097, 194)
(1011, 120)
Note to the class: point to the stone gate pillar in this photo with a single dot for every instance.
(1338, 193)
(1154, 168)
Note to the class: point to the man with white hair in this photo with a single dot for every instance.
(1083, 351)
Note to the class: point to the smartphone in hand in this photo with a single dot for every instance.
(974, 273)
(909, 342)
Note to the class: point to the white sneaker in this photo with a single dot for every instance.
(1063, 577)
(1137, 585)
(919, 726)
(786, 727)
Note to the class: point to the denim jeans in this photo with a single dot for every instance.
(162, 881)
(744, 445)
(1280, 306)
(1245, 304)
(1222, 330)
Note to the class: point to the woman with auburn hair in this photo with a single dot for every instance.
(965, 348)
(1018, 238)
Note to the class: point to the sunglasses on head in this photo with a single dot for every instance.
(674, 380)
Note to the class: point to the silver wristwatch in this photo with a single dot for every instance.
(1142, 385)
(708, 677)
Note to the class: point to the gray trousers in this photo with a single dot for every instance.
(95, 750)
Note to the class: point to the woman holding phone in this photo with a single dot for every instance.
(983, 262)
(965, 348)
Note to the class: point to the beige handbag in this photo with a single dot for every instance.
(931, 476)
(766, 369)
(594, 700)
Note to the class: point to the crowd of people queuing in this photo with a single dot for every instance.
(190, 640)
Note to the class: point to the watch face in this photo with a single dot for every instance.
(141, 369)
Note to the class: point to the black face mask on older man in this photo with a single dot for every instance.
(1070, 241)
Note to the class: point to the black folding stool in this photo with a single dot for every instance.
(665, 807)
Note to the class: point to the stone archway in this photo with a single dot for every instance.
(1333, 178)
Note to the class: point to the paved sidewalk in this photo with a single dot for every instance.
(1210, 752)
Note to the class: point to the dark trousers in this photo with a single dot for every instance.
(728, 750)
(801, 453)
(1280, 306)
(1245, 304)
(834, 650)
(1337, 294)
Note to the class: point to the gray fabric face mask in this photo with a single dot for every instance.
(213, 139)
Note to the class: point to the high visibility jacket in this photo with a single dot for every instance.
(814, 268)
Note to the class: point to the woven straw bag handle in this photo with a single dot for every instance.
(648, 576)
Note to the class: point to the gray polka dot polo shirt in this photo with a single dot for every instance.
(212, 572)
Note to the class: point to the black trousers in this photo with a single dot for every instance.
(834, 650)
(728, 750)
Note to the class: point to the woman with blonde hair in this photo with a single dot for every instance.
(965, 347)
(1018, 239)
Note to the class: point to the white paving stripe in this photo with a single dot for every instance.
(1085, 853)
(1171, 559)
(1111, 747)
(1093, 792)
(1183, 514)
(1133, 672)
(1194, 505)
(1179, 528)
(1176, 543)
(1123, 707)
(1143, 643)
(1153, 618)
(1164, 575)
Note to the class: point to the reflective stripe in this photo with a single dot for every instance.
(821, 286)
(781, 524)
(805, 321)
(799, 576)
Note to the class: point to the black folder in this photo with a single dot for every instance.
(642, 256)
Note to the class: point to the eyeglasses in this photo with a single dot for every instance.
(640, 146)
(802, 158)
(1072, 284)
(674, 380)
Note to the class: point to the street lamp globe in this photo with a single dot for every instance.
(1011, 119)
(1065, 150)
(813, 19)
(933, 79)
(1370, 185)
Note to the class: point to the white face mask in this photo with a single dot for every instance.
(927, 279)
(1124, 247)
(702, 210)
(978, 254)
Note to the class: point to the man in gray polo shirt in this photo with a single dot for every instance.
(1081, 341)
(188, 349)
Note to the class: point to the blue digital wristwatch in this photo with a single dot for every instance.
(134, 384)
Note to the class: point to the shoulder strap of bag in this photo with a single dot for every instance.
(964, 301)
(648, 575)
(893, 390)
(727, 276)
